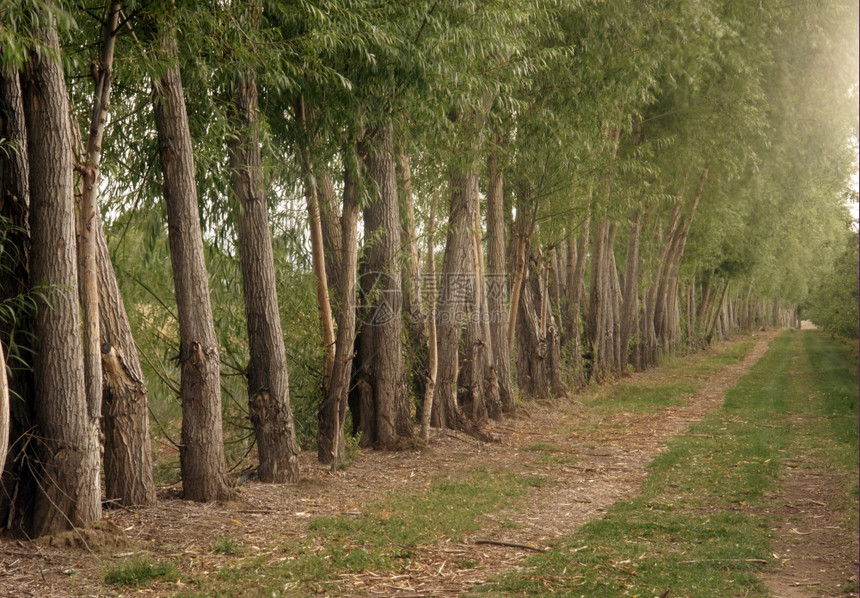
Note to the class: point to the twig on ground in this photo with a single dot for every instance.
(509, 544)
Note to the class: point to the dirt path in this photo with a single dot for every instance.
(592, 462)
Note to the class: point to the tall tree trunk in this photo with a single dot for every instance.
(317, 252)
(201, 454)
(599, 311)
(128, 468)
(330, 445)
(70, 492)
(268, 381)
(456, 297)
(115, 385)
(88, 212)
(331, 229)
(490, 390)
(413, 310)
(576, 260)
(531, 343)
(630, 295)
(432, 348)
(385, 413)
(19, 484)
(497, 281)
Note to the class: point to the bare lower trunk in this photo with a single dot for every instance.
(432, 349)
(201, 455)
(317, 253)
(330, 445)
(576, 260)
(268, 381)
(532, 351)
(599, 311)
(19, 484)
(70, 492)
(88, 214)
(413, 310)
(385, 413)
(490, 390)
(630, 295)
(457, 307)
(128, 468)
(497, 283)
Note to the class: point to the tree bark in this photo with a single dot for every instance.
(331, 229)
(490, 391)
(128, 468)
(413, 309)
(497, 282)
(432, 348)
(576, 260)
(385, 413)
(532, 351)
(330, 444)
(70, 493)
(458, 309)
(268, 379)
(201, 454)
(317, 253)
(630, 296)
(19, 484)
(599, 311)
(88, 212)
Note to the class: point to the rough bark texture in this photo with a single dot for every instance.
(413, 308)
(330, 445)
(385, 412)
(331, 230)
(19, 486)
(203, 467)
(497, 287)
(69, 446)
(432, 347)
(268, 380)
(125, 413)
(630, 295)
(319, 267)
(456, 308)
(600, 333)
(88, 213)
(532, 348)
(577, 253)
(489, 378)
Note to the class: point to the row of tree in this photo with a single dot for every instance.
(501, 200)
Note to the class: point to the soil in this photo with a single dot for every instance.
(600, 460)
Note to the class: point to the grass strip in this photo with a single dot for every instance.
(697, 529)
(381, 539)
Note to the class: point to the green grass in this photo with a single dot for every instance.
(679, 379)
(229, 546)
(698, 528)
(139, 571)
(383, 538)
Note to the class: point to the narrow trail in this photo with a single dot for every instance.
(610, 467)
(595, 460)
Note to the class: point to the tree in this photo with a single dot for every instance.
(204, 476)
(69, 489)
(384, 405)
(268, 384)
